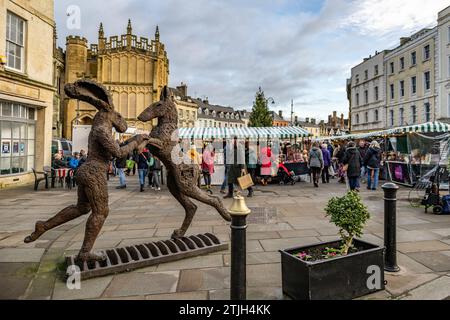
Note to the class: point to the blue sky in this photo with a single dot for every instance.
(294, 49)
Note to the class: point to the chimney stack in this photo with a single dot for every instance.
(183, 89)
(280, 113)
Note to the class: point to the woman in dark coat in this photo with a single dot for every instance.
(235, 168)
(352, 158)
(372, 161)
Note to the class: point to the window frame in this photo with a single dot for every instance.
(413, 61)
(425, 51)
(401, 88)
(427, 105)
(9, 41)
(425, 81)
(413, 114)
(413, 85)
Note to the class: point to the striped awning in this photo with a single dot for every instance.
(248, 132)
(426, 127)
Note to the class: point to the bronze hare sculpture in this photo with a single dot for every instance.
(91, 176)
(181, 177)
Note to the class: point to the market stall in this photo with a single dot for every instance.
(198, 137)
(409, 151)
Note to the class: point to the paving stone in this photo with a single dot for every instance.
(194, 295)
(437, 261)
(198, 262)
(298, 233)
(89, 289)
(410, 264)
(399, 283)
(204, 279)
(136, 226)
(254, 246)
(126, 234)
(21, 255)
(256, 258)
(257, 293)
(421, 246)
(133, 284)
(262, 235)
(13, 287)
(264, 275)
(413, 235)
(99, 244)
(277, 244)
(268, 227)
(437, 289)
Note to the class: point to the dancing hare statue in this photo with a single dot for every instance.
(181, 177)
(91, 176)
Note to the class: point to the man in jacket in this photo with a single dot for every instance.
(352, 158)
(143, 160)
(315, 163)
(372, 162)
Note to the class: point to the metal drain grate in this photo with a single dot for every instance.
(262, 215)
(148, 254)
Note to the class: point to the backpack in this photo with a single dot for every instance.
(73, 163)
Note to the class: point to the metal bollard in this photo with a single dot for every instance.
(239, 212)
(390, 225)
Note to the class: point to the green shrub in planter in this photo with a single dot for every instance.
(350, 215)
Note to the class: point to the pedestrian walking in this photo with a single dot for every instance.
(352, 160)
(315, 163)
(156, 170)
(207, 165)
(372, 161)
(121, 164)
(143, 162)
(326, 164)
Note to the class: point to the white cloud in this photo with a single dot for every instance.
(380, 17)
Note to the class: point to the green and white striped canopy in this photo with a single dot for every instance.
(250, 133)
(426, 127)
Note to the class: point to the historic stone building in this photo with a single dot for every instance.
(310, 124)
(59, 59)
(187, 108)
(367, 91)
(443, 72)
(26, 88)
(410, 80)
(209, 115)
(278, 120)
(335, 125)
(133, 69)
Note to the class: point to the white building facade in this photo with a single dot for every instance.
(368, 94)
(443, 61)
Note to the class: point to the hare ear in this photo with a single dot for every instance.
(90, 92)
(165, 94)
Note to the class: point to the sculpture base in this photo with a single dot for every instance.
(143, 255)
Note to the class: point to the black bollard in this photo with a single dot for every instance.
(390, 225)
(238, 285)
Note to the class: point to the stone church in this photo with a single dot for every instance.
(133, 69)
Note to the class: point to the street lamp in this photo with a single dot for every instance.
(270, 99)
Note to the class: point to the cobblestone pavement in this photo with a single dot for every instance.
(29, 271)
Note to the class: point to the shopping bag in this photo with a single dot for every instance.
(245, 181)
(331, 171)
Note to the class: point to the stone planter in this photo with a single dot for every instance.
(340, 278)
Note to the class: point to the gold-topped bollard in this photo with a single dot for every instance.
(239, 212)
